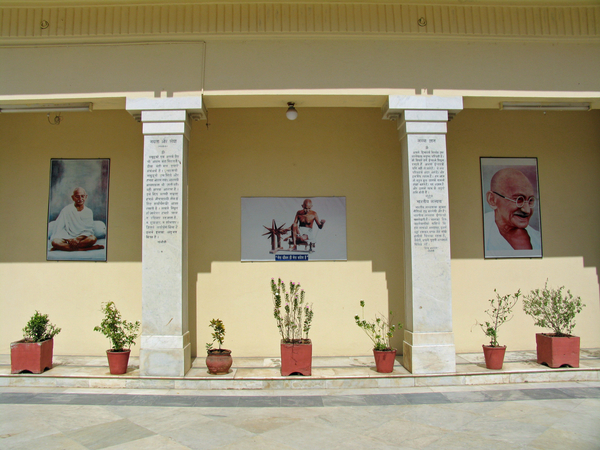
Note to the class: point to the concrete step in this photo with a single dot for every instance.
(342, 372)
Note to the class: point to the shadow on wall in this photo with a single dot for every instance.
(245, 305)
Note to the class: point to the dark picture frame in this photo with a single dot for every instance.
(78, 210)
(508, 229)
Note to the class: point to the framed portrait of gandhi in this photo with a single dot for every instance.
(512, 225)
(293, 229)
(78, 210)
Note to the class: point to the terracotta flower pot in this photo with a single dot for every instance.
(117, 361)
(34, 357)
(556, 351)
(494, 356)
(384, 360)
(296, 358)
(219, 361)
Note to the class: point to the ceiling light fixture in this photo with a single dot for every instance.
(550, 106)
(59, 107)
(291, 112)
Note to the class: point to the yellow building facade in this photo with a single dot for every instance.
(361, 74)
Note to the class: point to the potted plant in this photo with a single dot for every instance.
(380, 331)
(33, 353)
(500, 311)
(218, 360)
(121, 334)
(554, 309)
(294, 319)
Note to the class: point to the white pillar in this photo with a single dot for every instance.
(165, 348)
(428, 339)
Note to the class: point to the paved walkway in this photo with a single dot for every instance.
(344, 405)
(562, 415)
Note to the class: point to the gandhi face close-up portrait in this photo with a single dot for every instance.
(512, 197)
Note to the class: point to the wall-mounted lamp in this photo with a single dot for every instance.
(47, 108)
(291, 112)
(550, 106)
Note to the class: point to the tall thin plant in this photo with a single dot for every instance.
(380, 331)
(293, 316)
(500, 311)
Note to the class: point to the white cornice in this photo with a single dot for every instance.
(199, 20)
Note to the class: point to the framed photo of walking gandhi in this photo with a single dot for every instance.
(512, 226)
(78, 210)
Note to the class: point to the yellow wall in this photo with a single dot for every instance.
(473, 283)
(245, 305)
(293, 64)
(71, 293)
(327, 151)
(567, 145)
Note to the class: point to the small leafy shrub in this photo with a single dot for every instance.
(39, 328)
(218, 335)
(500, 311)
(552, 308)
(120, 332)
(379, 331)
(294, 318)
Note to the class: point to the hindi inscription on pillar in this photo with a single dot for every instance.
(429, 208)
(162, 189)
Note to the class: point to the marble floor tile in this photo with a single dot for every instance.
(73, 417)
(108, 434)
(259, 402)
(356, 420)
(301, 401)
(156, 442)
(17, 432)
(256, 443)
(437, 416)
(402, 432)
(527, 412)
(426, 398)
(207, 435)
(344, 400)
(309, 434)
(471, 441)
(582, 424)
(385, 399)
(510, 431)
(160, 419)
(260, 424)
(545, 394)
(558, 439)
(49, 442)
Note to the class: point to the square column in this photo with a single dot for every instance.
(165, 347)
(422, 123)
